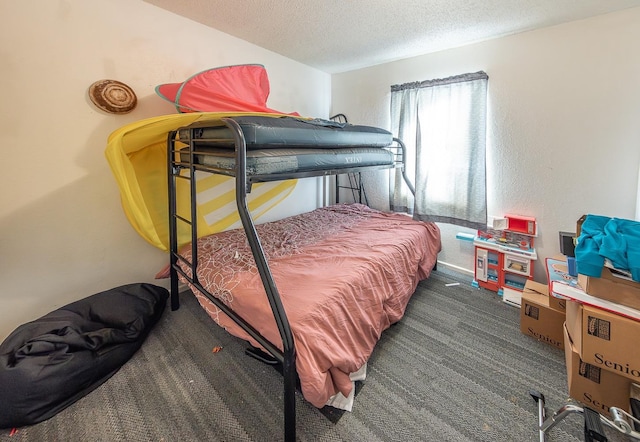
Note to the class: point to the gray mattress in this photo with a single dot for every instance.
(262, 132)
(272, 161)
(282, 145)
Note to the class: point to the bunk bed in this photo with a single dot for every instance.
(296, 304)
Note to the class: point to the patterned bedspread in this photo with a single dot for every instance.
(345, 273)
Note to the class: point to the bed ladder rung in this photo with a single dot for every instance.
(182, 259)
(176, 174)
(183, 219)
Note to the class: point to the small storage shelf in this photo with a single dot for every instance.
(514, 281)
(517, 265)
(504, 256)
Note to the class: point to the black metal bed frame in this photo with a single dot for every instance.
(243, 182)
(354, 180)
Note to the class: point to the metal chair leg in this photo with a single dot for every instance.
(620, 421)
(539, 398)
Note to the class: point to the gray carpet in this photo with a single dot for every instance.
(456, 368)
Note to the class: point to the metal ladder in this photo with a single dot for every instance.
(355, 183)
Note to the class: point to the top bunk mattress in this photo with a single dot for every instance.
(264, 132)
(291, 160)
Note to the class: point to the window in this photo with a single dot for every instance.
(443, 125)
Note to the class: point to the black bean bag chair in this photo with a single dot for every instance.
(48, 364)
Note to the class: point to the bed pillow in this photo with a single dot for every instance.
(48, 364)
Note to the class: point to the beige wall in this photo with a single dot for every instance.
(563, 134)
(63, 235)
(564, 123)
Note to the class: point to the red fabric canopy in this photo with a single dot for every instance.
(240, 88)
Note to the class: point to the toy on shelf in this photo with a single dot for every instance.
(506, 240)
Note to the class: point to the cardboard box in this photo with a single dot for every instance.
(558, 304)
(540, 321)
(604, 339)
(573, 323)
(594, 387)
(612, 287)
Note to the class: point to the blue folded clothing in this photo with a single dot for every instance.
(587, 250)
(615, 239)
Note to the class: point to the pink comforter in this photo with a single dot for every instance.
(345, 273)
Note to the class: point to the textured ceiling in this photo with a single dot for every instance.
(342, 35)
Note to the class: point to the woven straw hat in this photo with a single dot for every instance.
(113, 96)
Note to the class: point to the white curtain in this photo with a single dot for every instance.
(443, 125)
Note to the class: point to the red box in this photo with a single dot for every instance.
(521, 224)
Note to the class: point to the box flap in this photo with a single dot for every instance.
(535, 287)
(535, 297)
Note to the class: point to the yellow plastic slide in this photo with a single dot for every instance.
(137, 155)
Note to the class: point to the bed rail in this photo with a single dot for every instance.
(176, 166)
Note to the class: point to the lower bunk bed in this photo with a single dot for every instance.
(314, 291)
